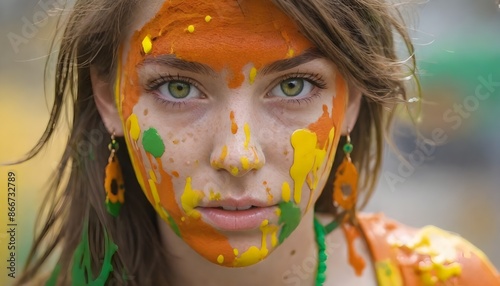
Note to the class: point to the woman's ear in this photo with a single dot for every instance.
(352, 112)
(105, 101)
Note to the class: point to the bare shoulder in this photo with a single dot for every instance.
(428, 256)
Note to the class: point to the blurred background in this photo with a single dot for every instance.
(448, 177)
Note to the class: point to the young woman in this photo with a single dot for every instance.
(243, 137)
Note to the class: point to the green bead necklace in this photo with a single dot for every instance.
(321, 231)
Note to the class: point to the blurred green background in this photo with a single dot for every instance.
(454, 185)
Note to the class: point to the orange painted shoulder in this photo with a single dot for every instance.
(424, 257)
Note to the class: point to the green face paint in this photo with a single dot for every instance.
(290, 218)
(153, 143)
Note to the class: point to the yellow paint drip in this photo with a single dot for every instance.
(304, 144)
(190, 28)
(270, 196)
(133, 127)
(285, 192)
(214, 196)
(117, 84)
(246, 127)
(234, 171)
(190, 199)
(277, 212)
(274, 238)
(154, 191)
(244, 163)
(219, 163)
(159, 208)
(253, 74)
(223, 154)
(254, 254)
(162, 212)
(308, 158)
(235, 251)
(152, 175)
(147, 44)
(220, 259)
(250, 257)
(208, 18)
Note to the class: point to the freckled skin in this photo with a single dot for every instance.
(229, 126)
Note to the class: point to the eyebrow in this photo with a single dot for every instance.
(281, 65)
(172, 61)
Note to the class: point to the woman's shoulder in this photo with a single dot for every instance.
(428, 256)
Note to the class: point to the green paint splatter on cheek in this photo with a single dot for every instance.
(290, 218)
(152, 143)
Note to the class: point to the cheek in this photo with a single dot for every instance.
(314, 148)
(171, 193)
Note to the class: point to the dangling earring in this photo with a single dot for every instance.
(113, 181)
(345, 187)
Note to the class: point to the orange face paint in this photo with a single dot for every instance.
(234, 38)
(322, 136)
(264, 31)
(234, 126)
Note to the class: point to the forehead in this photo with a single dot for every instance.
(223, 33)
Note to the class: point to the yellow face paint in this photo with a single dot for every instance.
(214, 196)
(307, 158)
(246, 128)
(234, 171)
(220, 259)
(147, 44)
(190, 199)
(245, 163)
(255, 254)
(285, 192)
(253, 74)
(181, 35)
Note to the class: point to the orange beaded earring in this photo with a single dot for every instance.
(113, 181)
(345, 187)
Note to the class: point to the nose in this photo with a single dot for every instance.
(236, 150)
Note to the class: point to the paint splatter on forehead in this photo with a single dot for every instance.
(223, 34)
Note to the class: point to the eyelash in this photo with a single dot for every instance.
(314, 78)
(162, 79)
(153, 86)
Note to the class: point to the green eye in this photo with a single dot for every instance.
(179, 89)
(292, 86)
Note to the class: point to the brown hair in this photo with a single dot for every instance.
(357, 35)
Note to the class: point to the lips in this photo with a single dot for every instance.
(237, 215)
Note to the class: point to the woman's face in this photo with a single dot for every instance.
(232, 120)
